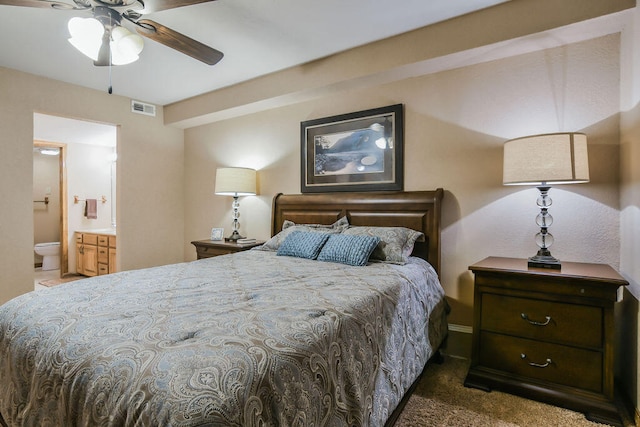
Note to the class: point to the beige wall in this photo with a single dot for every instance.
(150, 171)
(630, 209)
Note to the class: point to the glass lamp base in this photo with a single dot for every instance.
(544, 239)
(544, 261)
(234, 236)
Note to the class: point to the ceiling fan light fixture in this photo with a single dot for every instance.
(86, 35)
(132, 43)
(122, 59)
(125, 46)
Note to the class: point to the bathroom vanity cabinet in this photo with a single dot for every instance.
(95, 253)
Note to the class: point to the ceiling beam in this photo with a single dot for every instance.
(507, 29)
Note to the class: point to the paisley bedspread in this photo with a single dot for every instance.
(249, 339)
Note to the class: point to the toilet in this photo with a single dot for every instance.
(50, 253)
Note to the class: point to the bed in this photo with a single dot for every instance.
(254, 338)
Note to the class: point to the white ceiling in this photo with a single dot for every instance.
(257, 37)
(71, 131)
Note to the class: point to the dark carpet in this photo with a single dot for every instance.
(442, 400)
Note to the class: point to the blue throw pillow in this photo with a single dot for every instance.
(345, 249)
(303, 244)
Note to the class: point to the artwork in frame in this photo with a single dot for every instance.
(361, 151)
(217, 234)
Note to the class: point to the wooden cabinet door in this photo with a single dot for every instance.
(79, 264)
(112, 260)
(90, 260)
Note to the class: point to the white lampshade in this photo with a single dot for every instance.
(235, 182)
(557, 158)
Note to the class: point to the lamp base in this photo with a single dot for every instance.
(234, 236)
(544, 261)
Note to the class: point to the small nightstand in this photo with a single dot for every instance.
(546, 335)
(210, 248)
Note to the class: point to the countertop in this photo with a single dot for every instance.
(109, 231)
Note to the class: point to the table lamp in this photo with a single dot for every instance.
(235, 182)
(545, 160)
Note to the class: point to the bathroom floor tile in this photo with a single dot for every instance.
(44, 275)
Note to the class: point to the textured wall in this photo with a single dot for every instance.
(629, 316)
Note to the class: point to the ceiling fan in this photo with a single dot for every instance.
(109, 14)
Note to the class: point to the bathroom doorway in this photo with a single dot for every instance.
(86, 170)
(50, 205)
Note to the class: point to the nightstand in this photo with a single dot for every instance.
(546, 335)
(210, 248)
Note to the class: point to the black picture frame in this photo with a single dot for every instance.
(360, 151)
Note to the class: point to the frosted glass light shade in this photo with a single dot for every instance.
(125, 46)
(235, 182)
(86, 35)
(556, 158)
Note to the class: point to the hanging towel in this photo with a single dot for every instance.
(91, 209)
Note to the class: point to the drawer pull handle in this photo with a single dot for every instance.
(537, 365)
(533, 322)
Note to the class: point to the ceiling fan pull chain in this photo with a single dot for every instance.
(110, 60)
(110, 87)
(110, 70)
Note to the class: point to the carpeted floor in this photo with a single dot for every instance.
(442, 400)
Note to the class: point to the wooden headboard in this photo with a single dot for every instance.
(418, 210)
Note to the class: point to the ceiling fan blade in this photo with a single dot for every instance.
(151, 6)
(48, 4)
(178, 41)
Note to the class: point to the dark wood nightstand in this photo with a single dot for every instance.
(210, 248)
(546, 335)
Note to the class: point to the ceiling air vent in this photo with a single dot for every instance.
(142, 108)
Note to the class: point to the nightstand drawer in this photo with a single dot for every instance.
(563, 323)
(211, 248)
(542, 361)
(204, 252)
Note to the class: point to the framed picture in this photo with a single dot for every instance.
(361, 151)
(217, 234)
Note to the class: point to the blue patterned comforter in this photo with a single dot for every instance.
(250, 339)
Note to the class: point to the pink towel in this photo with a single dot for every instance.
(91, 209)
